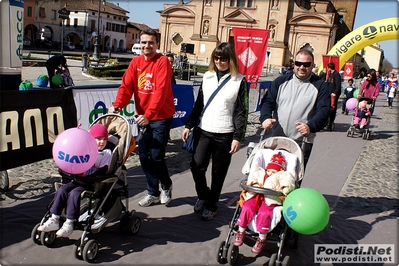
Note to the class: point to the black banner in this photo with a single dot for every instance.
(30, 121)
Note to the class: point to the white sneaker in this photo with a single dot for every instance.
(51, 224)
(361, 126)
(166, 195)
(66, 230)
(148, 200)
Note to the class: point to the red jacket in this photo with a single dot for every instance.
(150, 83)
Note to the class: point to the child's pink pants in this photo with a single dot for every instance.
(264, 218)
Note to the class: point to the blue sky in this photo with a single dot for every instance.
(142, 11)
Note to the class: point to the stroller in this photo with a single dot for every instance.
(365, 131)
(258, 156)
(103, 204)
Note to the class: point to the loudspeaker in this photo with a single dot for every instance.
(187, 48)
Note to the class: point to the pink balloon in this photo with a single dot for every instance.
(351, 104)
(75, 151)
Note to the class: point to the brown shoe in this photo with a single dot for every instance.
(239, 238)
(257, 248)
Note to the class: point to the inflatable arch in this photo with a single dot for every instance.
(377, 31)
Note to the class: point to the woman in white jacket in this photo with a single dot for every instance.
(222, 126)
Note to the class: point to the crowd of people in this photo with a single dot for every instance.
(298, 104)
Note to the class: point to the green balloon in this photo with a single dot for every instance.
(57, 79)
(356, 93)
(306, 211)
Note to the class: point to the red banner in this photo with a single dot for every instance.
(348, 70)
(331, 59)
(250, 46)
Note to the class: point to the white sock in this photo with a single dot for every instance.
(55, 217)
(69, 221)
(262, 236)
(241, 229)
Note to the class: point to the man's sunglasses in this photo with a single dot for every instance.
(305, 64)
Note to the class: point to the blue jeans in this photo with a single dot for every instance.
(152, 147)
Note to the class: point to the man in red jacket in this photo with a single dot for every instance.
(148, 78)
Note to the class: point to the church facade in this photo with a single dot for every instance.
(293, 24)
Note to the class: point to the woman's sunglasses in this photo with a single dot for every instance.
(221, 59)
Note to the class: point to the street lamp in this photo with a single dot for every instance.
(96, 51)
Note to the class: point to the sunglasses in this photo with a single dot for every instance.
(221, 59)
(305, 64)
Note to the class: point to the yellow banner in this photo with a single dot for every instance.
(356, 40)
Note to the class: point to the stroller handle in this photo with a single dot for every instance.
(260, 190)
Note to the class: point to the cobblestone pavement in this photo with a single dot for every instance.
(372, 186)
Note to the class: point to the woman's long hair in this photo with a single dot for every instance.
(373, 77)
(225, 50)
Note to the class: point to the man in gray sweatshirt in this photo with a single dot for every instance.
(298, 105)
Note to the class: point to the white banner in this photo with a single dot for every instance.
(93, 103)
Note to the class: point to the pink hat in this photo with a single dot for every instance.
(99, 131)
(277, 162)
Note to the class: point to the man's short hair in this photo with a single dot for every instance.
(331, 66)
(151, 32)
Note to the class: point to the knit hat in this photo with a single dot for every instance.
(277, 162)
(99, 131)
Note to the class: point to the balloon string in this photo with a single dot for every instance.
(80, 124)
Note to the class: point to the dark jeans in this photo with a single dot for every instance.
(152, 155)
(344, 104)
(306, 150)
(68, 197)
(217, 147)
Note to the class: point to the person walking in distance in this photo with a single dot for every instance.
(334, 82)
(149, 79)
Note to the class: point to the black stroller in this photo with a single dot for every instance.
(103, 204)
(281, 234)
(364, 131)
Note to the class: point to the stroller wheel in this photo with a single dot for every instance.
(129, 225)
(273, 259)
(232, 254)
(219, 253)
(368, 135)
(35, 235)
(90, 250)
(47, 238)
(286, 261)
(77, 250)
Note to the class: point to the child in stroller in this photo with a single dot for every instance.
(361, 115)
(278, 233)
(276, 178)
(103, 203)
(68, 195)
(361, 118)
